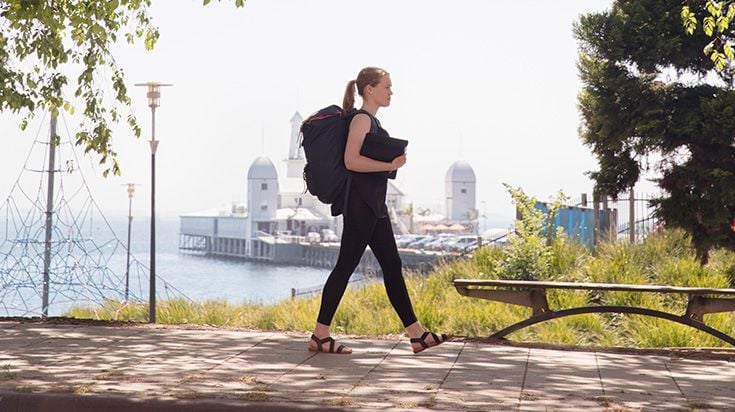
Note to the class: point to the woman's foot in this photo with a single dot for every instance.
(427, 340)
(327, 345)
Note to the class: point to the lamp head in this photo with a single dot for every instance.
(131, 189)
(154, 93)
(154, 97)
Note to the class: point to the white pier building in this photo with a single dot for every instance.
(279, 211)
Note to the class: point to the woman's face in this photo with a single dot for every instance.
(381, 92)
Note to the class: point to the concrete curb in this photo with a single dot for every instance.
(52, 402)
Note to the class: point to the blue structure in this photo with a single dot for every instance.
(578, 222)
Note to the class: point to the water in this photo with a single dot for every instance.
(201, 277)
(197, 277)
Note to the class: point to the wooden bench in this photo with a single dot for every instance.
(533, 294)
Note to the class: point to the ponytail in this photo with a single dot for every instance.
(348, 102)
(369, 76)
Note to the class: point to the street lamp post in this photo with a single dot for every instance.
(49, 217)
(484, 216)
(154, 97)
(131, 191)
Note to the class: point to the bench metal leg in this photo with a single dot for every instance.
(542, 317)
(532, 298)
(699, 306)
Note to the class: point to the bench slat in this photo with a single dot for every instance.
(592, 286)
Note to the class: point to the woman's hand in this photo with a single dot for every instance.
(398, 162)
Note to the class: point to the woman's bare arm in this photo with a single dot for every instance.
(354, 161)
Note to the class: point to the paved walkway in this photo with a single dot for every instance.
(53, 367)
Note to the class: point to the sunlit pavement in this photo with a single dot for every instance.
(83, 367)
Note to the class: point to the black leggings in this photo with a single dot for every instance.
(362, 228)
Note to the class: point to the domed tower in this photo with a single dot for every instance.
(262, 193)
(460, 191)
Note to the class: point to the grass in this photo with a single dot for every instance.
(248, 379)
(337, 402)
(256, 396)
(76, 389)
(109, 374)
(7, 374)
(188, 395)
(662, 259)
(405, 405)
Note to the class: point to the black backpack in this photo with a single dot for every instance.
(323, 137)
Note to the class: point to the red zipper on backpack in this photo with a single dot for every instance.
(315, 118)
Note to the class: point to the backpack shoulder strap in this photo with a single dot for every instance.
(373, 120)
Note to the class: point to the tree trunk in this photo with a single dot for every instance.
(703, 256)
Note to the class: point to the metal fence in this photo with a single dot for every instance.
(630, 217)
(635, 216)
(357, 278)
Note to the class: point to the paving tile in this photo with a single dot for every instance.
(326, 376)
(484, 375)
(694, 377)
(557, 378)
(638, 382)
(413, 372)
(562, 405)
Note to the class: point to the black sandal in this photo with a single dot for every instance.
(424, 345)
(320, 342)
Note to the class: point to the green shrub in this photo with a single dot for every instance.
(530, 254)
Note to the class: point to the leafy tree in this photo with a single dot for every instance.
(44, 43)
(649, 91)
(716, 18)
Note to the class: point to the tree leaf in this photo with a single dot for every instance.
(714, 8)
(691, 24)
(684, 13)
(720, 64)
(719, 60)
(709, 25)
(708, 48)
(688, 19)
(728, 51)
(722, 24)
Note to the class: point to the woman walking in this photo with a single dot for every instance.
(366, 220)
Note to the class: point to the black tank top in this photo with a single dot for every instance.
(372, 187)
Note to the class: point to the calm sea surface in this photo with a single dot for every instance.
(197, 277)
(201, 277)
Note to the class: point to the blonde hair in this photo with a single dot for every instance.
(369, 76)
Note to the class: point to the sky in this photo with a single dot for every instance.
(493, 83)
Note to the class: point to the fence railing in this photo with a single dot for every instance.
(634, 217)
(312, 290)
